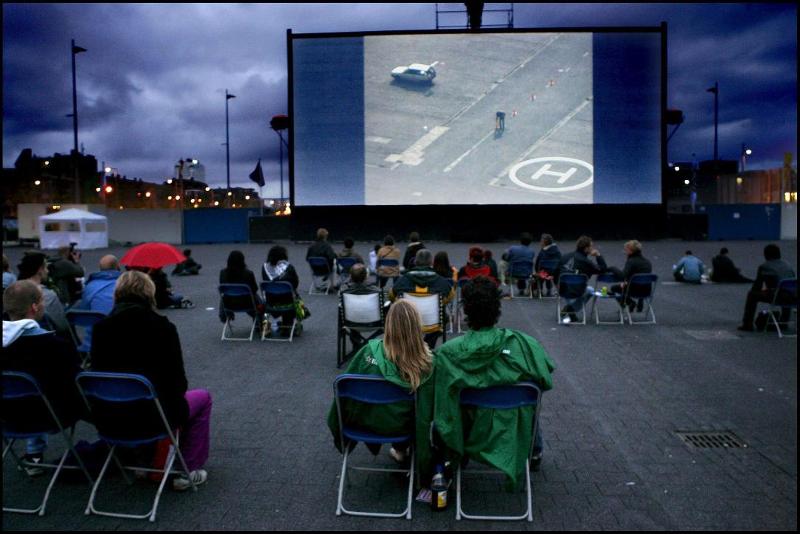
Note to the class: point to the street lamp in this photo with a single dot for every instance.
(715, 90)
(745, 153)
(75, 50)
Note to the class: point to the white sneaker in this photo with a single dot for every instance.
(181, 483)
(566, 320)
(399, 456)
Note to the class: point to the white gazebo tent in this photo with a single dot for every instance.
(89, 230)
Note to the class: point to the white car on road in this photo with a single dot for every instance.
(416, 72)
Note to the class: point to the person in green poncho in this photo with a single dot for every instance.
(488, 356)
(402, 358)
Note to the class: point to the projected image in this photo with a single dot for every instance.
(492, 119)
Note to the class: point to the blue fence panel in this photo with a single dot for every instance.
(217, 225)
(744, 221)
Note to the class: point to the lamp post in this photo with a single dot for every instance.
(280, 123)
(745, 152)
(227, 139)
(715, 90)
(75, 50)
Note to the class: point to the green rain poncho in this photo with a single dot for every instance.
(479, 359)
(389, 418)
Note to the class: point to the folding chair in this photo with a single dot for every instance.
(27, 413)
(785, 297)
(641, 287)
(430, 307)
(572, 287)
(237, 298)
(319, 271)
(370, 389)
(85, 320)
(503, 398)
(343, 266)
(109, 396)
(358, 313)
(550, 269)
(385, 262)
(279, 299)
(599, 297)
(521, 270)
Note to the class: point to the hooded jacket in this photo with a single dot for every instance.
(396, 418)
(423, 280)
(480, 359)
(98, 295)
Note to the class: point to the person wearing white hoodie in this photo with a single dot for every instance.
(52, 361)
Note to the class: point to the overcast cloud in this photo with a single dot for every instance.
(151, 86)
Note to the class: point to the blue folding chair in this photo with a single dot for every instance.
(385, 262)
(641, 287)
(370, 389)
(604, 280)
(85, 320)
(551, 268)
(521, 270)
(503, 398)
(572, 287)
(27, 413)
(237, 298)
(785, 298)
(320, 271)
(279, 299)
(343, 266)
(109, 396)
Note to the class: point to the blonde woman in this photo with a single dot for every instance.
(403, 358)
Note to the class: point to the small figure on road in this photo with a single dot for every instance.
(500, 121)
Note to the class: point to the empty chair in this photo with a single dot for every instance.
(237, 298)
(83, 320)
(572, 288)
(27, 413)
(279, 302)
(321, 275)
(606, 280)
(360, 314)
(127, 413)
(641, 288)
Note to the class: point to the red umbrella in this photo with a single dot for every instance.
(153, 255)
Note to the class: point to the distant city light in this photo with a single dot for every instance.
(98, 189)
(230, 194)
(120, 207)
(109, 189)
(108, 169)
(193, 201)
(247, 197)
(148, 194)
(739, 180)
(169, 197)
(686, 182)
(177, 197)
(208, 189)
(46, 162)
(194, 162)
(747, 152)
(169, 180)
(677, 169)
(216, 202)
(37, 182)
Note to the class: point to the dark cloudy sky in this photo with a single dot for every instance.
(151, 86)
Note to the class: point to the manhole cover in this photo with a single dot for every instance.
(712, 440)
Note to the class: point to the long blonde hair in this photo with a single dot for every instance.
(404, 344)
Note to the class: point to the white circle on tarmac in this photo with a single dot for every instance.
(512, 174)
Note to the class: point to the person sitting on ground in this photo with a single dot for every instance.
(165, 297)
(135, 339)
(548, 252)
(187, 267)
(278, 269)
(322, 249)
(33, 266)
(689, 269)
(52, 361)
(483, 357)
(66, 273)
(476, 265)
(723, 270)
(518, 253)
(8, 277)
(422, 279)
(585, 259)
(98, 295)
(414, 244)
(441, 264)
(236, 272)
(402, 358)
(387, 252)
(768, 275)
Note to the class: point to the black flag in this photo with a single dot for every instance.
(257, 175)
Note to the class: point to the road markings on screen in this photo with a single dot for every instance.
(543, 167)
(468, 152)
(413, 155)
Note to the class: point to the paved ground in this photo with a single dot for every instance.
(425, 141)
(612, 458)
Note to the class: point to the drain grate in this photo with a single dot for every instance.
(712, 440)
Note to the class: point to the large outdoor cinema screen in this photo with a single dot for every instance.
(521, 117)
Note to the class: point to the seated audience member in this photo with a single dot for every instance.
(488, 356)
(52, 361)
(414, 244)
(487, 257)
(322, 249)
(769, 274)
(165, 298)
(548, 252)
(98, 295)
(373, 258)
(585, 259)
(441, 264)
(8, 277)
(135, 339)
(33, 266)
(188, 267)
(402, 358)
(521, 252)
(724, 270)
(348, 252)
(422, 279)
(66, 272)
(278, 269)
(387, 252)
(236, 272)
(476, 265)
(689, 269)
(636, 263)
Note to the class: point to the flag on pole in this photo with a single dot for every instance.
(258, 175)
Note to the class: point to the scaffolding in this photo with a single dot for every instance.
(494, 16)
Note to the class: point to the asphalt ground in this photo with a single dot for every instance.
(612, 460)
(431, 143)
